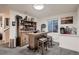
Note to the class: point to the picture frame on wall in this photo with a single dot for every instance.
(43, 26)
(67, 20)
(13, 23)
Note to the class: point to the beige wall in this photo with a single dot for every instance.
(5, 10)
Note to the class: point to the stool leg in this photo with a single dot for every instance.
(46, 45)
(38, 46)
(42, 48)
(51, 42)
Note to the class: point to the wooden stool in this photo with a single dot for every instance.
(49, 40)
(42, 44)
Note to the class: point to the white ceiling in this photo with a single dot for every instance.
(49, 9)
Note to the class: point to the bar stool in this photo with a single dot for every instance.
(42, 44)
(49, 41)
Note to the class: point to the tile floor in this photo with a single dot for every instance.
(55, 50)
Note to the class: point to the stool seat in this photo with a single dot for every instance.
(42, 44)
(43, 39)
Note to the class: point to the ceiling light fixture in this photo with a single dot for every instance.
(38, 6)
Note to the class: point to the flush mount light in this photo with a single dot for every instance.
(38, 6)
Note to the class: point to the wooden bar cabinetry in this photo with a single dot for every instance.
(23, 38)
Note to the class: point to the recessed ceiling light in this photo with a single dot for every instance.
(38, 6)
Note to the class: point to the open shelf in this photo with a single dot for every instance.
(28, 25)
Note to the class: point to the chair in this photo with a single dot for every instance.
(42, 45)
(49, 40)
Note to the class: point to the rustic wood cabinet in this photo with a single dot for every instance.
(23, 25)
(23, 38)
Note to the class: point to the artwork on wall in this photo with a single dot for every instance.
(53, 25)
(13, 23)
(67, 20)
(43, 26)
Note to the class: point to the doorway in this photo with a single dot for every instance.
(4, 31)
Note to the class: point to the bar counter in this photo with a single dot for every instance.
(33, 37)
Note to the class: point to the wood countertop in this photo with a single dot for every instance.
(37, 33)
(22, 31)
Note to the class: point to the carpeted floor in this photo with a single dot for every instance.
(55, 50)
